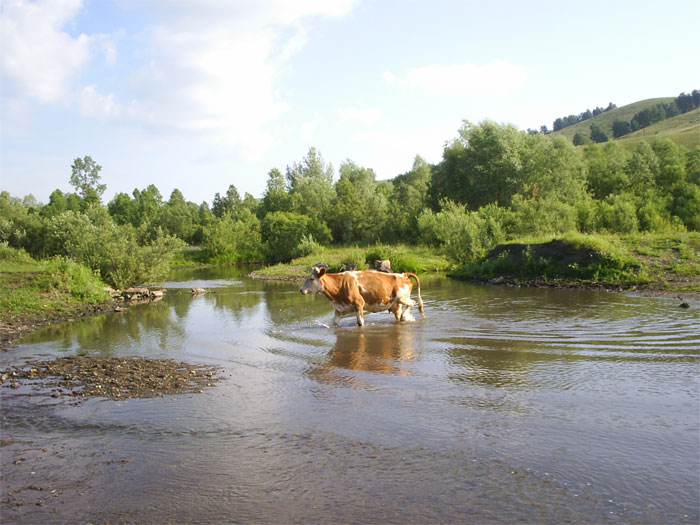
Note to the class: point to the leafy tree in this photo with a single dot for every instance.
(620, 128)
(310, 185)
(284, 232)
(580, 139)
(597, 134)
(692, 166)
(178, 218)
(358, 211)
(148, 206)
(642, 167)
(231, 203)
(551, 167)
(606, 169)
(686, 204)
(230, 239)
(671, 163)
(276, 197)
(409, 196)
(123, 209)
(85, 176)
(57, 204)
(481, 166)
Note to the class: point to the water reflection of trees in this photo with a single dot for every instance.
(285, 305)
(239, 304)
(107, 333)
(384, 349)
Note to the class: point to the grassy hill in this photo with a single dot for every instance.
(683, 129)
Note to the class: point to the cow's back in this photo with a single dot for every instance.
(380, 288)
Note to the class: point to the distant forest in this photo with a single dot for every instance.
(494, 184)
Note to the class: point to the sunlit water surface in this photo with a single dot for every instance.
(504, 404)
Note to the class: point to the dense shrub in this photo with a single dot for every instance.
(233, 239)
(463, 235)
(618, 214)
(542, 216)
(286, 234)
(123, 255)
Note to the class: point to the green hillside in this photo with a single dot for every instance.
(605, 120)
(682, 129)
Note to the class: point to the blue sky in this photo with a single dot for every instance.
(198, 95)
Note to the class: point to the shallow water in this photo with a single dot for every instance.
(504, 404)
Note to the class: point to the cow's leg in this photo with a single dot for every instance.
(336, 318)
(407, 316)
(360, 317)
(397, 311)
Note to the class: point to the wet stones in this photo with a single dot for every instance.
(112, 377)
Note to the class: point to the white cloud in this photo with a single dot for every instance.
(38, 57)
(93, 104)
(497, 78)
(214, 69)
(362, 115)
(308, 129)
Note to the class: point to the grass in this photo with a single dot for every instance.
(403, 259)
(682, 129)
(656, 262)
(44, 288)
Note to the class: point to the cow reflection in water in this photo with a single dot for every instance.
(387, 351)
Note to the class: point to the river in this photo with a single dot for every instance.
(503, 405)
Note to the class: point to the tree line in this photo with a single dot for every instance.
(494, 183)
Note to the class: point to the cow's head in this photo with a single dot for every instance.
(312, 284)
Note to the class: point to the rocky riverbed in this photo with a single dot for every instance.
(111, 377)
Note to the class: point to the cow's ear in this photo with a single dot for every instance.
(321, 271)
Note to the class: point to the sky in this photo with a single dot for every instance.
(196, 95)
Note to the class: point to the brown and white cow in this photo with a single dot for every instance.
(366, 290)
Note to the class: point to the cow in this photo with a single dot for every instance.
(370, 290)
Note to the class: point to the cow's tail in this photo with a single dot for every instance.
(420, 299)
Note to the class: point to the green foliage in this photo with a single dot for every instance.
(462, 235)
(481, 166)
(31, 287)
(358, 212)
(548, 215)
(597, 134)
(284, 232)
(85, 177)
(123, 255)
(408, 197)
(233, 238)
(618, 214)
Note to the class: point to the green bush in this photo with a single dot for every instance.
(286, 235)
(463, 235)
(233, 239)
(618, 214)
(542, 216)
(78, 280)
(123, 255)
